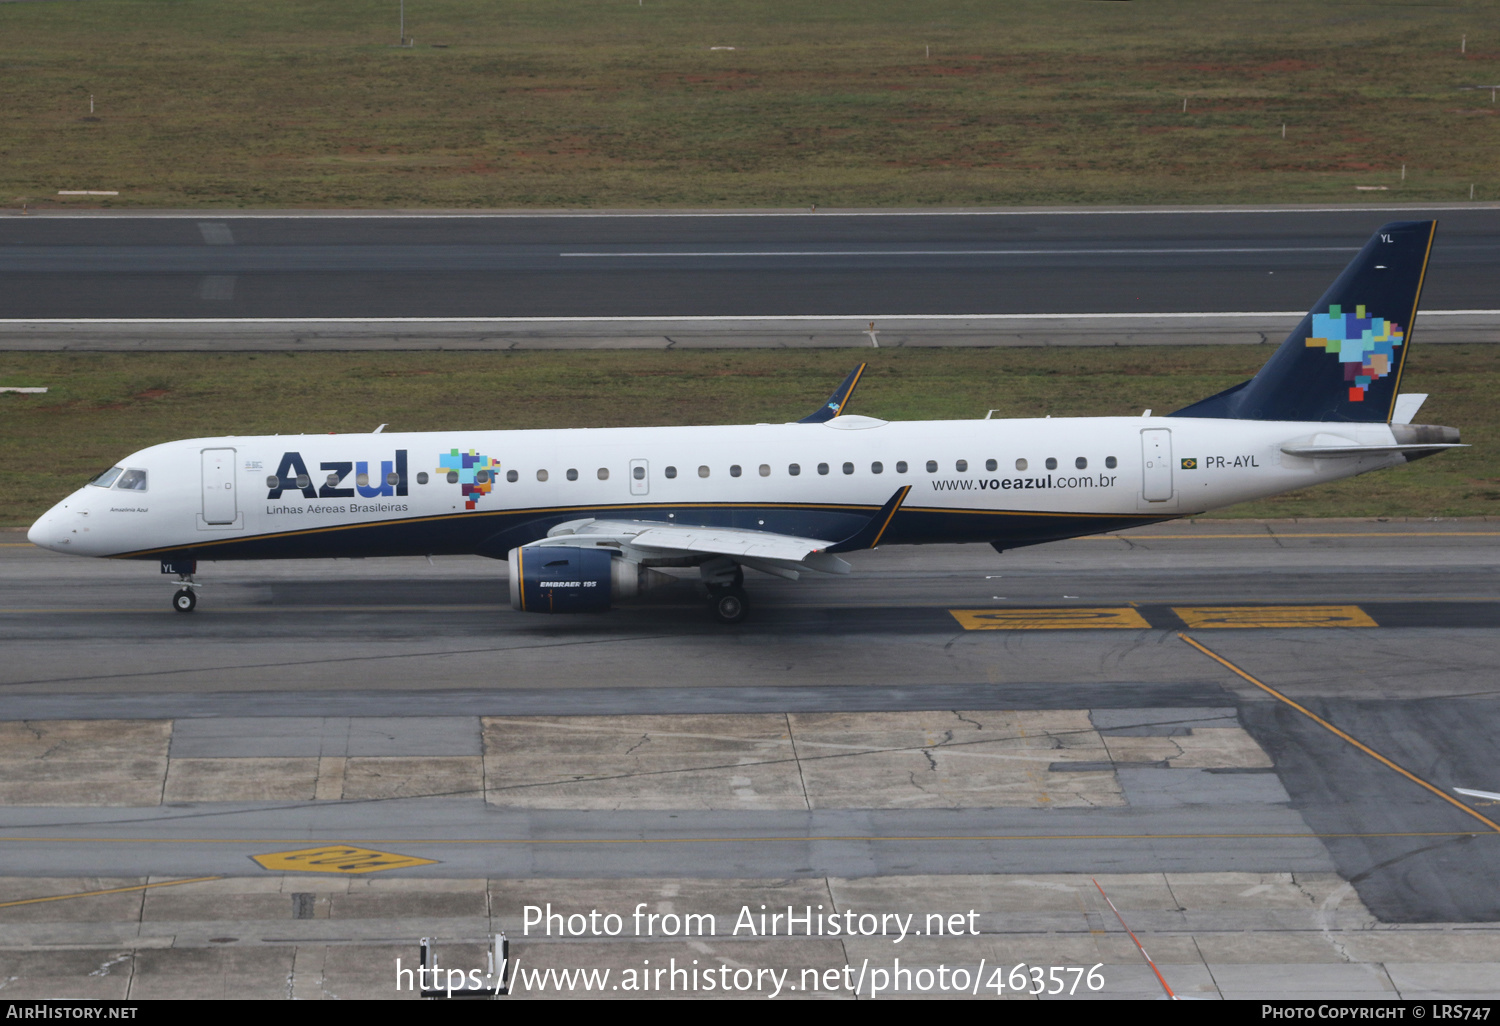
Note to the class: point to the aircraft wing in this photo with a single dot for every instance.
(780, 554)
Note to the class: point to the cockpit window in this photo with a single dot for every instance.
(107, 478)
(132, 480)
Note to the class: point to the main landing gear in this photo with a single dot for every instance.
(728, 602)
(725, 581)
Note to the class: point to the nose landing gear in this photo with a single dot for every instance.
(185, 598)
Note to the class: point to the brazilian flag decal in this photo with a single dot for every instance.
(1189, 464)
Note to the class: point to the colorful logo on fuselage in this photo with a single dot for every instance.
(1366, 346)
(474, 473)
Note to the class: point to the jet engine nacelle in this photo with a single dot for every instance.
(564, 579)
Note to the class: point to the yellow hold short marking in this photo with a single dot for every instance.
(337, 858)
(1207, 617)
(1049, 619)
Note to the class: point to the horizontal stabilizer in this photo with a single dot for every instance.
(1328, 451)
(1490, 795)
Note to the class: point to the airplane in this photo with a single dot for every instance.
(590, 517)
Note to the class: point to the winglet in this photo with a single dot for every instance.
(869, 536)
(837, 401)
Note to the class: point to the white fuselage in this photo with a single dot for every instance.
(971, 480)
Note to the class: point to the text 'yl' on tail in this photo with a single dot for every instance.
(1343, 363)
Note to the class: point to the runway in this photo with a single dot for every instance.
(1270, 758)
(221, 280)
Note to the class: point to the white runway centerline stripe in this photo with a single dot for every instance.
(958, 252)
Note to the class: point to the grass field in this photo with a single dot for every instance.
(729, 103)
(103, 406)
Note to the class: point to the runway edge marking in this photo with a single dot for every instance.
(1339, 733)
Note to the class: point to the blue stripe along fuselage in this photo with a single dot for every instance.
(495, 533)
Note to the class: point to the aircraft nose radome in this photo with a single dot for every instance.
(46, 531)
(40, 534)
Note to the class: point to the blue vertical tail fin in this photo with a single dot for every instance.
(1344, 361)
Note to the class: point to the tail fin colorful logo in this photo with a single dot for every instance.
(474, 473)
(1366, 346)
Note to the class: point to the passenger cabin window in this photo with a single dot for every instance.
(990, 465)
(603, 474)
(848, 468)
(932, 466)
(393, 479)
(510, 475)
(483, 476)
(1051, 463)
(1020, 464)
(1081, 463)
(303, 481)
(734, 470)
(670, 471)
(107, 478)
(639, 473)
(572, 474)
(961, 466)
(765, 470)
(541, 475)
(702, 471)
(877, 467)
(453, 476)
(135, 481)
(900, 466)
(793, 469)
(822, 468)
(421, 477)
(1111, 462)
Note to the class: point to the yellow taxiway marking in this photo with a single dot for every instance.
(1049, 619)
(737, 839)
(1204, 617)
(337, 858)
(1339, 733)
(112, 890)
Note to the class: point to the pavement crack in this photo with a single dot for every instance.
(643, 740)
(796, 758)
(1327, 915)
(964, 719)
(931, 762)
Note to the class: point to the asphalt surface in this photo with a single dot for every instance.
(289, 641)
(220, 265)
